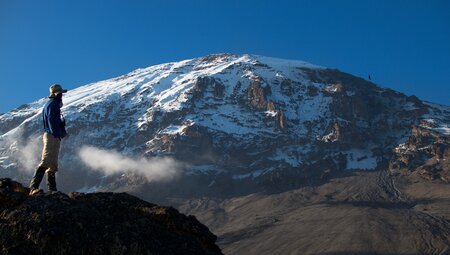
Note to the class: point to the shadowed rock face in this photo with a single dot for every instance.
(97, 223)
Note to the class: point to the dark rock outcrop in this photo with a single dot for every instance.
(257, 95)
(96, 223)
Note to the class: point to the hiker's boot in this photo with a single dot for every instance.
(34, 192)
(51, 181)
(37, 178)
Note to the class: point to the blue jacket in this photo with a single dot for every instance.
(51, 116)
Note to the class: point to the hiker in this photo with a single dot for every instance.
(370, 78)
(54, 128)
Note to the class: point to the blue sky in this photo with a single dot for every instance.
(404, 45)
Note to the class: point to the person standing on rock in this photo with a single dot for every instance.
(54, 127)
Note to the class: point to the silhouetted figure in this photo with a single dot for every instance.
(55, 130)
(369, 77)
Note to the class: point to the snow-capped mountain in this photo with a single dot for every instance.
(235, 123)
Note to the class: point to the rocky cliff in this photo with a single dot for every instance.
(97, 223)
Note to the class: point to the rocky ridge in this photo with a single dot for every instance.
(96, 223)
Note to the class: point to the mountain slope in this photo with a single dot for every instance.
(279, 153)
(232, 119)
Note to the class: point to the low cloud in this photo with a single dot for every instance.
(24, 153)
(112, 162)
(30, 154)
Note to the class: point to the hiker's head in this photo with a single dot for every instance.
(55, 90)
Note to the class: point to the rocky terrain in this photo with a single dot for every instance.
(361, 213)
(262, 150)
(426, 152)
(96, 223)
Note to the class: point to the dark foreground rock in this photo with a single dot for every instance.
(97, 223)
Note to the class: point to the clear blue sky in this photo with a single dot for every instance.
(404, 45)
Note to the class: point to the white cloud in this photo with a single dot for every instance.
(24, 151)
(111, 162)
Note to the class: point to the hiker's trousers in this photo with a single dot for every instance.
(50, 152)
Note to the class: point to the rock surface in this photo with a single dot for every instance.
(426, 151)
(96, 223)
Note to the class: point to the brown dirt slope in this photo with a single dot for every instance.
(361, 213)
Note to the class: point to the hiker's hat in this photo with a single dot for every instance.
(56, 89)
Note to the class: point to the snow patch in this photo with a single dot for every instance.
(5, 162)
(333, 88)
(410, 106)
(290, 157)
(279, 63)
(445, 129)
(252, 175)
(271, 113)
(176, 129)
(436, 125)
